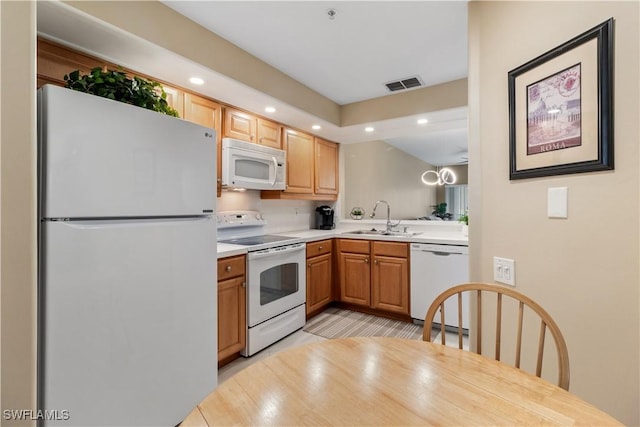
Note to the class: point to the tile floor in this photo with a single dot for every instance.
(299, 338)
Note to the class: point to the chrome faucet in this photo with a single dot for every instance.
(389, 225)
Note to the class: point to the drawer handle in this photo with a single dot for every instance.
(319, 248)
(228, 268)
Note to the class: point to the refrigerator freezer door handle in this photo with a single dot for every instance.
(129, 222)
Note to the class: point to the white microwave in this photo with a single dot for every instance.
(252, 166)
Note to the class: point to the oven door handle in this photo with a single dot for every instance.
(276, 251)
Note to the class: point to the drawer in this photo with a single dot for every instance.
(231, 267)
(395, 249)
(319, 248)
(354, 246)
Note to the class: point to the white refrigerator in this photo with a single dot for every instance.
(127, 263)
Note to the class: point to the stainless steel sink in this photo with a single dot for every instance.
(373, 231)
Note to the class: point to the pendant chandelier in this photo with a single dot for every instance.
(440, 176)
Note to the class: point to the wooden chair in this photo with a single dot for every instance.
(546, 322)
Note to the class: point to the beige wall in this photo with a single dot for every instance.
(585, 269)
(18, 206)
(376, 170)
(433, 98)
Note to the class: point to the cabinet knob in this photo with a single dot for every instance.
(309, 265)
(228, 268)
(366, 260)
(244, 284)
(375, 261)
(319, 248)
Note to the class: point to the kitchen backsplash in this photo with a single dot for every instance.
(281, 215)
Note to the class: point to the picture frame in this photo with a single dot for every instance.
(561, 108)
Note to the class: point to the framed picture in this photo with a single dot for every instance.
(561, 108)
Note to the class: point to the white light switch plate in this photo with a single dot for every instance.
(504, 271)
(557, 205)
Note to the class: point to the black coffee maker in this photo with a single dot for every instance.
(324, 218)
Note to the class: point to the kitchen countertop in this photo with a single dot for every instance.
(438, 232)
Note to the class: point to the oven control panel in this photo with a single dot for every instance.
(239, 219)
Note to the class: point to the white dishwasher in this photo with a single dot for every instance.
(435, 268)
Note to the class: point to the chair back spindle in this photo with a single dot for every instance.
(546, 323)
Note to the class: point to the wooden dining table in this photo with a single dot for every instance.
(389, 381)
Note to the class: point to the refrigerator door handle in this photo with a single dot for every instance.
(127, 222)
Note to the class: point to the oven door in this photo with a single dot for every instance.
(276, 282)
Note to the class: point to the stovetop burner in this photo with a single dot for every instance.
(256, 240)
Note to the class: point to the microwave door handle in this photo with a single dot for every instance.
(275, 171)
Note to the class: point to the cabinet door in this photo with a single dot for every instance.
(206, 113)
(232, 319)
(269, 134)
(239, 125)
(299, 147)
(326, 167)
(390, 285)
(318, 282)
(175, 99)
(355, 277)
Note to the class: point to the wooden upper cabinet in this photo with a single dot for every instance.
(247, 127)
(54, 61)
(239, 125)
(202, 111)
(299, 148)
(326, 167)
(269, 133)
(207, 113)
(175, 99)
(312, 168)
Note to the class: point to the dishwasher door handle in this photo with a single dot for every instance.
(442, 253)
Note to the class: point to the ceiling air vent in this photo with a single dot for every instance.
(403, 84)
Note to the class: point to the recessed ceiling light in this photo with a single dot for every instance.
(196, 80)
(369, 129)
(270, 109)
(315, 127)
(423, 121)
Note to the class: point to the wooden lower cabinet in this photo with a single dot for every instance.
(232, 318)
(319, 276)
(374, 274)
(355, 278)
(390, 284)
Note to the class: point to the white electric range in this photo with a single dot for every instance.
(276, 278)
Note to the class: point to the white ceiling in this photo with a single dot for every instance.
(347, 59)
(350, 57)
